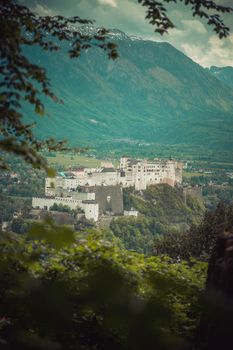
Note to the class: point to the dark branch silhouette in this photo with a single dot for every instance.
(22, 81)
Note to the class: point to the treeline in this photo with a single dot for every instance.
(162, 211)
(166, 204)
(66, 290)
(59, 291)
(22, 181)
(199, 241)
(9, 206)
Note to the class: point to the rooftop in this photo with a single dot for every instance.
(77, 168)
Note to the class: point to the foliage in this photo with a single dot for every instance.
(19, 225)
(165, 204)
(135, 233)
(156, 14)
(52, 234)
(93, 295)
(9, 206)
(216, 319)
(215, 194)
(162, 211)
(25, 182)
(200, 240)
(61, 208)
(82, 224)
(24, 81)
(88, 84)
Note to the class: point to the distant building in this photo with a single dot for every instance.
(131, 212)
(138, 173)
(98, 191)
(110, 199)
(90, 207)
(141, 173)
(5, 225)
(106, 165)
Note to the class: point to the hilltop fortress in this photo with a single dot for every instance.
(138, 173)
(98, 191)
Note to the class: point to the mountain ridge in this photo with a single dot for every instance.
(223, 74)
(152, 93)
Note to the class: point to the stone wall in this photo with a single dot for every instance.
(109, 198)
(90, 207)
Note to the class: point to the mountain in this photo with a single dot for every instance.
(224, 74)
(152, 95)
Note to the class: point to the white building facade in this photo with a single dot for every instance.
(90, 207)
(136, 173)
(143, 173)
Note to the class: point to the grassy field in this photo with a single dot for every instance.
(215, 166)
(67, 160)
(189, 174)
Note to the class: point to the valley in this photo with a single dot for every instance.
(160, 103)
(116, 175)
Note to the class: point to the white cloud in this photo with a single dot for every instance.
(194, 25)
(43, 10)
(215, 52)
(196, 53)
(191, 35)
(112, 3)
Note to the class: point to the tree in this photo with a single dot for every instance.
(199, 241)
(19, 226)
(61, 208)
(82, 224)
(24, 82)
(91, 294)
(215, 331)
(157, 14)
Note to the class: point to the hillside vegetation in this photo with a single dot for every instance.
(224, 74)
(162, 210)
(168, 101)
(92, 295)
(166, 204)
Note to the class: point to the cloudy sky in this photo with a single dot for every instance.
(191, 35)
